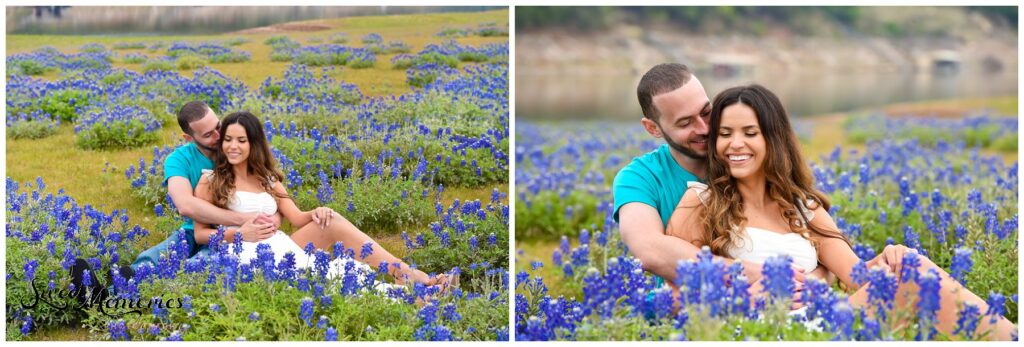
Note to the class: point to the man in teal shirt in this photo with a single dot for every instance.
(646, 191)
(182, 170)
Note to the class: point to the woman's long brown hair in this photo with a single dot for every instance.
(260, 162)
(788, 177)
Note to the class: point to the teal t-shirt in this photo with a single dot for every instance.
(655, 179)
(187, 161)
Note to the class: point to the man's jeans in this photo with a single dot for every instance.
(151, 256)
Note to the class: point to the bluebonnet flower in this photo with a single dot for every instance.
(118, 330)
(338, 250)
(967, 321)
(175, 336)
(996, 306)
(153, 330)
(322, 323)
(961, 264)
(882, 290)
(306, 311)
(254, 316)
(778, 276)
(366, 250)
(331, 334)
(928, 303)
(910, 265)
(842, 320)
(26, 327)
(408, 241)
(580, 256)
(492, 239)
(30, 269)
(563, 244)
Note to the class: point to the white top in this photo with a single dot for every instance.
(758, 244)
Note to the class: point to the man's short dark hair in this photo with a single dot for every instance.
(191, 112)
(660, 79)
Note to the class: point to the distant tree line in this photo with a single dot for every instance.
(738, 19)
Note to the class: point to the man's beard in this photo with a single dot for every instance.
(683, 150)
(212, 150)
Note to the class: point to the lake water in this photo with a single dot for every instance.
(612, 96)
(191, 20)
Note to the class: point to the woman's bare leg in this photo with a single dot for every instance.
(952, 295)
(342, 230)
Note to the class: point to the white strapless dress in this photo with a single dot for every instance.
(280, 243)
(757, 245)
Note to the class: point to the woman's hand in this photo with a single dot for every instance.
(891, 258)
(322, 216)
(255, 231)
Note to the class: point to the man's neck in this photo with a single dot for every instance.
(698, 167)
(206, 153)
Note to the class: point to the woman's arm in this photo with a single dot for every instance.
(288, 209)
(833, 253)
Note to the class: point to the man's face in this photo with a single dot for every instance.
(683, 121)
(205, 133)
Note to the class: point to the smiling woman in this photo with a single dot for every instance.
(420, 166)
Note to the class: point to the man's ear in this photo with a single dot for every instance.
(651, 127)
(187, 137)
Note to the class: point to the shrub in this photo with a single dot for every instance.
(372, 38)
(189, 62)
(31, 68)
(362, 61)
(466, 231)
(237, 41)
(63, 104)
(135, 58)
(117, 127)
(158, 65)
(92, 48)
(372, 203)
(338, 38)
(35, 128)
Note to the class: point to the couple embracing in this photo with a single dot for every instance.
(731, 177)
(225, 175)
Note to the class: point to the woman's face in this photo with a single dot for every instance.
(236, 144)
(740, 142)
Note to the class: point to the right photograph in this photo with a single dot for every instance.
(766, 173)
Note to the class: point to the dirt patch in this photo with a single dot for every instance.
(284, 28)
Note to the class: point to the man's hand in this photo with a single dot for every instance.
(260, 218)
(255, 231)
(752, 271)
(822, 273)
(756, 290)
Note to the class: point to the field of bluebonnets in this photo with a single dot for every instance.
(944, 186)
(399, 123)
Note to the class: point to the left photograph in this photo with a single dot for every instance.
(257, 173)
